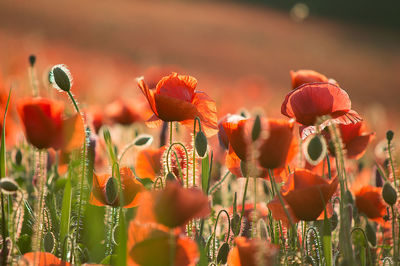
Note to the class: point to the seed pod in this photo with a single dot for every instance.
(61, 78)
(223, 252)
(111, 190)
(200, 142)
(235, 226)
(8, 185)
(389, 194)
(49, 242)
(349, 197)
(143, 140)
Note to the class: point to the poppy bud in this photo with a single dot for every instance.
(223, 252)
(389, 194)
(170, 177)
(143, 140)
(349, 197)
(371, 234)
(389, 135)
(61, 78)
(8, 185)
(18, 157)
(255, 132)
(262, 228)
(107, 136)
(49, 242)
(111, 190)
(334, 221)
(32, 60)
(200, 143)
(244, 168)
(315, 149)
(235, 225)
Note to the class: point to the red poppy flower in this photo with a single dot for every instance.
(97, 118)
(355, 139)
(313, 100)
(235, 133)
(41, 259)
(106, 193)
(123, 113)
(303, 76)
(148, 163)
(173, 206)
(305, 195)
(369, 201)
(175, 99)
(252, 252)
(45, 127)
(145, 239)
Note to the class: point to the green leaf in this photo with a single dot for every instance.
(65, 213)
(121, 248)
(205, 166)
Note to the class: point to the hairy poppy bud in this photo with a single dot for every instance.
(18, 157)
(200, 142)
(111, 190)
(222, 256)
(389, 135)
(389, 194)
(315, 149)
(235, 225)
(255, 132)
(143, 140)
(107, 136)
(8, 185)
(371, 234)
(61, 78)
(32, 60)
(170, 177)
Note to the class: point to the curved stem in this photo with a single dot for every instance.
(365, 239)
(215, 228)
(216, 185)
(187, 160)
(158, 179)
(74, 102)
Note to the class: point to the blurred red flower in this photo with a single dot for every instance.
(303, 76)
(305, 195)
(122, 112)
(175, 99)
(252, 252)
(148, 163)
(41, 259)
(311, 101)
(173, 206)
(45, 127)
(105, 190)
(151, 244)
(369, 201)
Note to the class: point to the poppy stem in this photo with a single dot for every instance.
(215, 229)
(395, 259)
(187, 160)
(243, 202)
(392, 164)
(253, 230)
(170, 132)
(74, 102)
(35, 89)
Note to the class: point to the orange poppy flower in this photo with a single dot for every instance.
(121, 112)
(41, 259)
(148, 163)
(175, 99)
(369, 201)
(280, 146)
(45, 127)
(313, 100)
(131, 189)
(252, 252)
(276, 149)
(305, 195)
(303, 76)
(173, 206)
(355, 139)
(145, 239)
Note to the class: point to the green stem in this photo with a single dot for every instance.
(170, 132)
(395, 259)
(392, 166)
(253, 230)
(243, 201)
(215, 229)
(74, 102)
(187, 160)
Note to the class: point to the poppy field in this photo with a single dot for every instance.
(166, 180)
(112, 159)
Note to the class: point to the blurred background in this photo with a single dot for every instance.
(240, 49)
